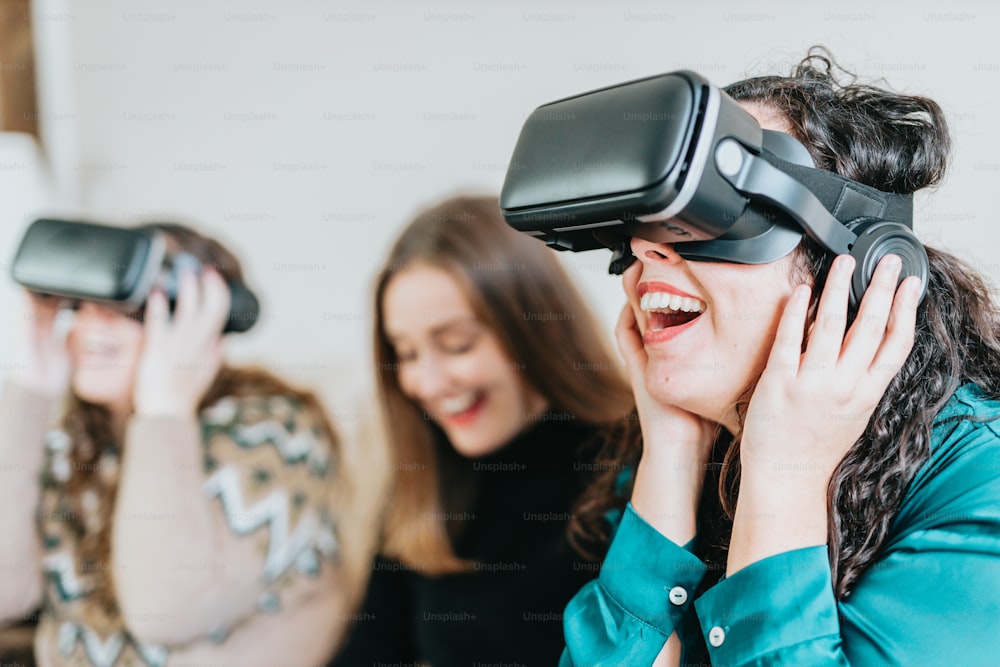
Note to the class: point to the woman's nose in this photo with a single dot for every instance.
(648, 252)
(430, 378)
(89, 309)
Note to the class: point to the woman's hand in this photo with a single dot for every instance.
(43, 363)
(809, 408)
(676, 447)
(182, 355)
(663, 426)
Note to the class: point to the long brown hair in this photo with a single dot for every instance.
(518, 290)
(89, 428)
(896, 143)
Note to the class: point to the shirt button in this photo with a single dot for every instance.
(716, 636)
(678, 595)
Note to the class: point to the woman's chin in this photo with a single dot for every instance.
(98, 393)
(677, 391)
(664, 384)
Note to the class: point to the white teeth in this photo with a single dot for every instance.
(457, 404)
(667, 301)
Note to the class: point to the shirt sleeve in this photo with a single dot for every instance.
(24, 415)
(931, 598)
(645, 587)
(224, 518)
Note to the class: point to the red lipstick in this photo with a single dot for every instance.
(652, 286)
(667, 333)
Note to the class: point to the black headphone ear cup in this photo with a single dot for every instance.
(244, 309)
(878, 239)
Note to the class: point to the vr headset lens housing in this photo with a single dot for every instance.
(673, 159)
(85, 261)
(111, 265)
(619, 155)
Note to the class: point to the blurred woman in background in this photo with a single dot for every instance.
(182, 511)
(496, 387)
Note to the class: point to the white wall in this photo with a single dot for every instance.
(305, 133)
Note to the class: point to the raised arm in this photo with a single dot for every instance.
(23, 418)
(942, 559)
(40, 375)
(222, 515)
(930, 598)
(630, 613)
(219, 520)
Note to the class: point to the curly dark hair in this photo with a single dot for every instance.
(895, 143)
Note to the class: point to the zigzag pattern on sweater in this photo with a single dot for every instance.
(62, 569)
(286, 546)
(294, 447)
(107, 652)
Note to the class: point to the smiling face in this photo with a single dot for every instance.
(707, 327)
(451, 365)
(104, 347)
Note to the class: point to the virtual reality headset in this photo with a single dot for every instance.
(112, 265)
(674, 159)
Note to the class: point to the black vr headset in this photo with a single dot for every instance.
(673, 159)
(112, 265)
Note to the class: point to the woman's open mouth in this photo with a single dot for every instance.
(667, 312)
(463, 409)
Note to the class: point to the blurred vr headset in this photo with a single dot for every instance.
(674, 159)
(112, 265)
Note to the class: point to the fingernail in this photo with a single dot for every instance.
(844, 264)
(892, 262)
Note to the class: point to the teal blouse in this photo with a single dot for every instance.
(931, 598)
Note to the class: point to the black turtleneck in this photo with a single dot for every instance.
(508, 610)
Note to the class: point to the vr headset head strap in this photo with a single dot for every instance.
(854, 218)
(821, 202)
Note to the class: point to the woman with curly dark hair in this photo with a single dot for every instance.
(811, 486)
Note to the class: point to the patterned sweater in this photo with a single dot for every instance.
(238, 501)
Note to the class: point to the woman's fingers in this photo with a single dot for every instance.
(156, 316)
(630, 344)
(215, 301)
(787, 349)
(827, 336)
(188, 296)
(41, 313)
(899, 333)
(202, 303)
(44, 307)
(626, 320)
(864, 361)
(869, 327)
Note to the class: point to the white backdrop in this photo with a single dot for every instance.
(306, 133)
